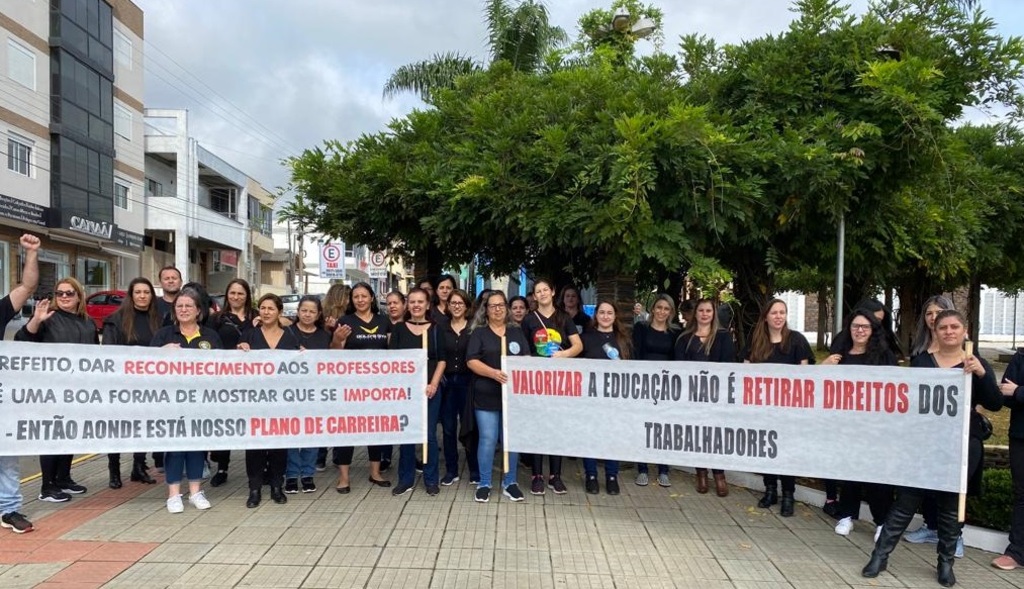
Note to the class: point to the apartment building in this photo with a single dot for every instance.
(71, 105)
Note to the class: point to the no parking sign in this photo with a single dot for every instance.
(332, 260)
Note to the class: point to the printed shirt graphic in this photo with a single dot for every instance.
(545, 335)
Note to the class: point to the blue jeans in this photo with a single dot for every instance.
(301, 463)
(642, 468)
(407, 453)
(488, 424)
(611, 467)
(453, 403)
(10, 485)
(191, 463)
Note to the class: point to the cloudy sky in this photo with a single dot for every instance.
(265, 79)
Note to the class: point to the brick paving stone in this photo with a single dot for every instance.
(211, 575)
(148, 574)
(625, 580)
(178, 552)
(402, 557)
(292, 555)
(469, 539)
(476, 559)
(682, 547)
(751, 570)
(332, 577)
(235, 554)
(29, 575)
(421, 537)
(580, 562)
(388, 578)
(301, 536)
(275, 576)
(736, 550)
(693, 568)
(525, 561)
(524, 540)
(354, 556)
(368, 536)
(517, 580)
(448, 579)
(761, 585)
(583, 581)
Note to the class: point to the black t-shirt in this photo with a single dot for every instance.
(887, 359)
(165, 310)
(113, 330)
(231, 329)
(257, 341)
(651, 344)
(7, 313)
(403, 339)
(372, 335)
(594, 342)
(540, 330)
(799, 350)
(690, 348)
(485, 345)
(582, 321)
(320, 339)
(206, 340)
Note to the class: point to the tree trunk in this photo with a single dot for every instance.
(753, 289)
(824, 325)
(974, 309)
(619, 288)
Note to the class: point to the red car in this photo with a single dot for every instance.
(100, 304)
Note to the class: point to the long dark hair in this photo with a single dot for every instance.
(622, 336)
(250, 311)
(560, 317)
(127, 310)
(842, 341)
(319, 323)
(877, 347)
(761, 339)
(350, 309)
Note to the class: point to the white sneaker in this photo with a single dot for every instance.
(174, 504)
(198, 500)
(878, 532)
(845, 526)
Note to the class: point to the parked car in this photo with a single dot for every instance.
(101, 304)
(291, 304)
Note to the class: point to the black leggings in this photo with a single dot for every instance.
(271, 461)
(788, 482)
(878, 496)
(343, 454)
(56, 469)
(554, 465)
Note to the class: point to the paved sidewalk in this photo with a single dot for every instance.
(647, 537)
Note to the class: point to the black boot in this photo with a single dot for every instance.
(115, 475)
(899, 518)
(788, 503)
(277, 495)
(949, 532)
(770, 497)
(141, 475)
(254, 498)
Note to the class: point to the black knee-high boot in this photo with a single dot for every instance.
(949, 533)
(895, 524)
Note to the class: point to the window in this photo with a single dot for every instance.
(19, 155)
(94, 274)
(154, 188)
(121, 195)
(122, 49)
(123, 122)
(21, 65)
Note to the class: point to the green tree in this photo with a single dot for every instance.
(520, 34)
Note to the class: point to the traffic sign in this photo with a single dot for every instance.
(332, 260)
(378, 267)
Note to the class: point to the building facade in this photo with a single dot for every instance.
(71, 119)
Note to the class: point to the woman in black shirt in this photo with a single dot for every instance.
(553, 335)
(309, 331)
(64, 321)
(361, 328)
(705, 341)
(951, 333)
(456, 388)
(418, 331)
(656, 340)
(270, 335)
(606, 339)
(865, 344)
(569, 302)
(483, 358)
(774, 343)
(133, 324)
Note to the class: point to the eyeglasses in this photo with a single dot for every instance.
(185, 306)
(860, 326)
(456, 304)
(496, 306)
(64, 294)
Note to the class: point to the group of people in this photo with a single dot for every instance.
(463, 339)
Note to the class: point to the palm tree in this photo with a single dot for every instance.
(521, 35)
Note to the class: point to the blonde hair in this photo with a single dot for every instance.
(77, 287)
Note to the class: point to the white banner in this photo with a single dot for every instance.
(72, 399)
(864, 423)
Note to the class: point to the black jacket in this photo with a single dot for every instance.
(1015, 373)
(62, 328)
